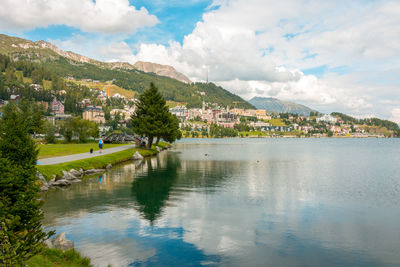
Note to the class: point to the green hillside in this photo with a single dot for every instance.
(274, 105)
(131, 79)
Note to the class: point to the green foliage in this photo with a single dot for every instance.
(152, 117)
(21, 232)
(389, 125)
(54, 257)
(80, 129)
(50, 131)
(219, 131)
(138, 81)
(171, 130)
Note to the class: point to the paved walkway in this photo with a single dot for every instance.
(63, 159)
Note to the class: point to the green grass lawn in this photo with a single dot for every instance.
(55, 150)
(99, 162)
(54, 257)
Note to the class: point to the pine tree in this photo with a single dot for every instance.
(151, 116)
(171, 130)
(21, 232)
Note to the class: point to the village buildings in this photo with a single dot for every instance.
(95, 114)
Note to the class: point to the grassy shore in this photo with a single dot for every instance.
(56, 150)
(54, 257)
(99, 162)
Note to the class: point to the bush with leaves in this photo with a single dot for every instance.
(21, 232)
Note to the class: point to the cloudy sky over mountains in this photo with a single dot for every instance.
(330, 55)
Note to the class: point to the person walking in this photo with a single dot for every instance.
(101, 145)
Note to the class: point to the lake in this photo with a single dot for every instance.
(241, 202)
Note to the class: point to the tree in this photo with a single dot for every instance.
(21, 233)
(50, 131)
(152, 116)
(171, 130)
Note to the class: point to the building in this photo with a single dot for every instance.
(57, 107)
(95, 114)
(36, 87)
(260, 125)
(327, 118)
(180, 112)
(194, 112)
(124, 114)
(15, 98)
(261, 114)
(237, 111)
(250, 113)
(58, 117)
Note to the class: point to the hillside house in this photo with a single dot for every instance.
(57, 107)
(95, 114)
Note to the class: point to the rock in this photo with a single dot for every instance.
(159, 149)
(93, 171)
(60, 242)
(76, 173)
(137, 156)
(44, 188)
(109, 166)
(61, 182)
(75, 181)
(67, 176)
(41, 177)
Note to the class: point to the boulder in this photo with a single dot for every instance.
(137, 156)
(41, 178)
(68, 176)
(60, 242)
(76, 173)
(44, 188)
(62, 182)
(94, 171)
(159, 149)
(109, 166)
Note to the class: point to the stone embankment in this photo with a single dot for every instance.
(68, 178)
(75, 176)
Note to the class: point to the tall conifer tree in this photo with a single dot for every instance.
(151, 114)
(21, 232)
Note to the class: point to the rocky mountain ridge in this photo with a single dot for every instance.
(42, 50)
(275, 105)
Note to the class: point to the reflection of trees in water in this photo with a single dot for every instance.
(158, 180)
(152, 191)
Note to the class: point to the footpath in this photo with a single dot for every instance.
(64, 159)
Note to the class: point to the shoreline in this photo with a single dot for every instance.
(57, 171)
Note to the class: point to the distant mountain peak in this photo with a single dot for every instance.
(275, 105)
(162, 70)
(10, 45)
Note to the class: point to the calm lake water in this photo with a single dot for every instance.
(241, 202)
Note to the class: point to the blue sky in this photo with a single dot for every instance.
(330, 55)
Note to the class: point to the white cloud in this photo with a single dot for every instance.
(105, 16)
(259, 47)
(395, 115)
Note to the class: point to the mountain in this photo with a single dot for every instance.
(275, 105)
(125, 75)
(42, 50)
(162, 70)
(22, 49)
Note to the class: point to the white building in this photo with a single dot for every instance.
(179, 111)
(327, 118)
